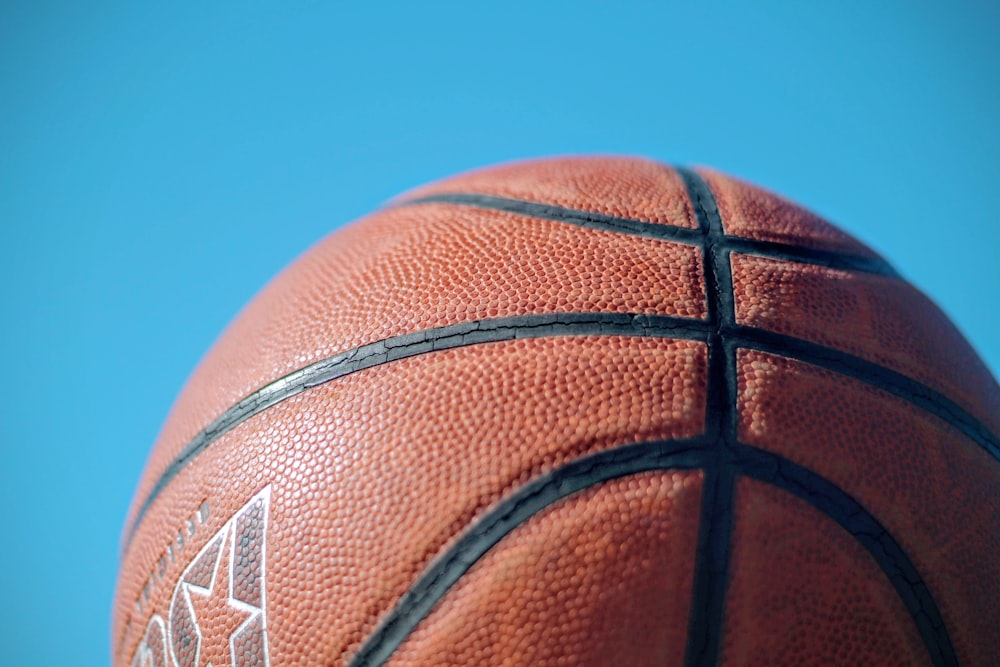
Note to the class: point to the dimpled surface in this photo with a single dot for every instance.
(881, 319)
(348, 460)
(423, 376)
(429, 266)
(754, 213)
(932, 489)
(577, 584)
(795, 569)
(640, 189)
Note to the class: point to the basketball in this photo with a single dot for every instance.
(577, 411)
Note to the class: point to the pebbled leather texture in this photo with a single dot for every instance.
(574, 411)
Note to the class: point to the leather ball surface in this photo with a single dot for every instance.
(587, 411)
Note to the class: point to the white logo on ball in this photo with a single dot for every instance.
(218, 613)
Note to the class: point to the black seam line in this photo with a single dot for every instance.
(656, 230)
(806, 255)
(880, 377)
(513, 511)
(704, 642)
(588, 219)
(711, 575)
(534, 326)
(711, 570)
(683, 454)
(412, 344)
(866, 530)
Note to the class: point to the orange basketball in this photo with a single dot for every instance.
(591, 411)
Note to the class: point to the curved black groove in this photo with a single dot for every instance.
(588, 219)
(511, 512)
(718, 452)
(806, 255)
(297, 381)
(412, 344)
(921, 396)
(829, 499)
(697, 453)
(536, 326)
(655, 230)
(711, 570)
(711, 574)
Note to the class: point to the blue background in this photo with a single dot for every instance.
(158, 163)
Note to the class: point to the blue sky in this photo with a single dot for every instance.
(159, 162)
